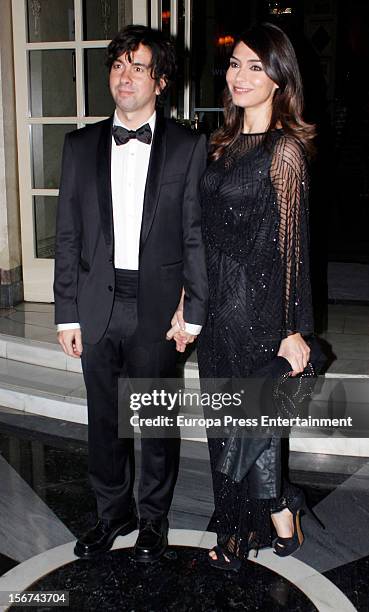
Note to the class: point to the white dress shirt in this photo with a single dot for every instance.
(129, 167)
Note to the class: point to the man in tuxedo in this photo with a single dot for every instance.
(128, 246)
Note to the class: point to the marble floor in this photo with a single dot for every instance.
(46, 502)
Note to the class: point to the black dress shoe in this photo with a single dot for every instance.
(101, 537)
(152, 540)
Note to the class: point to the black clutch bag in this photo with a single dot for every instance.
(281, 395)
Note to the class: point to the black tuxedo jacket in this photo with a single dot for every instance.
(171, 252)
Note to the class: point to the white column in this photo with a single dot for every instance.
(187, 75)
(139, 12)
(10, 249)
(156, 14)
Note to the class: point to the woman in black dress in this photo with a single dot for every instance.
(255, 228)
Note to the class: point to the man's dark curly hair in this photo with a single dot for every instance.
(163, 65)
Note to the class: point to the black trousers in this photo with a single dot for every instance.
(111, 458)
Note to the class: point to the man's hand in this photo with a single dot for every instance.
(178, 330)
(296, 351)
(178, 321)
(182, 338)
(71, 342)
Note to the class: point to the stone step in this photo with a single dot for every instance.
(35, 352)
(38, 378)
(51, 356)
(43, 391)
(50, 392)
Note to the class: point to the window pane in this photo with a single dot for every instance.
(103, 18)
(214, 27)
(47, 148)
(50, 20)
(45, 222)
(52, 79)
(99, 102)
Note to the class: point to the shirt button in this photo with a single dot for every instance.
(110, 288)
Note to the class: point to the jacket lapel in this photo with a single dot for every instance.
(154, 178)
(104, 182)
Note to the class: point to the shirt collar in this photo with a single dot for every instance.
(151, 121)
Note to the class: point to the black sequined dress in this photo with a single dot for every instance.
(255, 228)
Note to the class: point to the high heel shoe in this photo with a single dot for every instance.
(233, 565)
(283, 547)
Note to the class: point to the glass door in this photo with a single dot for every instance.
(61, 84)
(173, 17)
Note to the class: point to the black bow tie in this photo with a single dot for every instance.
(122, 135)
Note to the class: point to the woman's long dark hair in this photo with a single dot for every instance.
(279, 61)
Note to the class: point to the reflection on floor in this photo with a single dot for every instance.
(46, 501)
(19, 541)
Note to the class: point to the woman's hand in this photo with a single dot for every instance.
(181, 338)
(296, 351)
(178, 330)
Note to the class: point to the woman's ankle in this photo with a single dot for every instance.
(283, 523)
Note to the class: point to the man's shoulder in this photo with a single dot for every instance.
(89, 131)
(180, 131)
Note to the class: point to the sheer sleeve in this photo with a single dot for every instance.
(290, 181)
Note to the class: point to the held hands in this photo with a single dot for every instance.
(71, 342)
(296, 351)
(178, 329)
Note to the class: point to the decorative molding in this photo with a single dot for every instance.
(125, 13)
(105, 8)
(36, 12)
